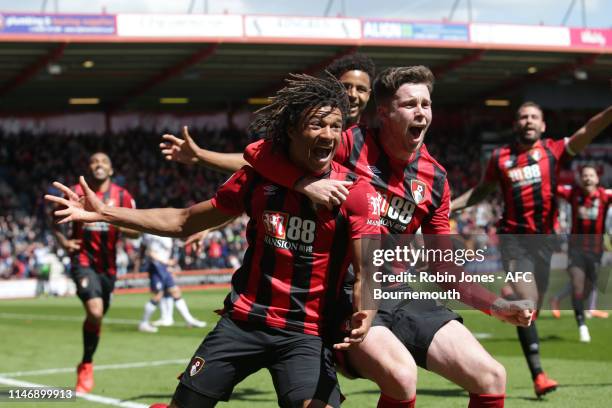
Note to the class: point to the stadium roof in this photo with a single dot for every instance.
(42, 73)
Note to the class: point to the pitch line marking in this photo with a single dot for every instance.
(90, 397)
(25, 316)
(140, 364)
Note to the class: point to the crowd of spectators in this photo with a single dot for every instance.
(29, 162)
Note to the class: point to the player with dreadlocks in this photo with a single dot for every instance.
(276, 313)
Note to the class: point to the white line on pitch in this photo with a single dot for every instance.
(483, 335)
(90, 397)
(24, 316)
(97, 367)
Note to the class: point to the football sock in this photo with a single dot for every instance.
(387, 402)
(486, 400)
(578, 305)
(149, 309)
(167, 308)
(181, 305)
(530, 343)
(91, 337)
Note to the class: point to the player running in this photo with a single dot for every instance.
(589, 203)
(527, 171)
(93, 268)
(276, 312)
(158, 253)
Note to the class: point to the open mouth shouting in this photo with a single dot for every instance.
(416, 132)
(322, 154)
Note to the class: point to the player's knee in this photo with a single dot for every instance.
(401, 384)
(492, 378)
(314, 404)
(95, 315)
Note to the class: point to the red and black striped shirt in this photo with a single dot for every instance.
(588, 215)
(99, 239)
(297, 255)
(411, 194)
(528, 180)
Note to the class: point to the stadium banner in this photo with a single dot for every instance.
(403, 30)
(193, 277)
(179, 25)
(472, 270)
(302, 27)
(508, 34)
(591, 38)
(19, 288)
(61, 24)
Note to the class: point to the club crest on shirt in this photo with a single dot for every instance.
(275, 223)
(196, 366)
(417, 189)
(508, 163)
(110, 202)
(536, 155)
(84, 282)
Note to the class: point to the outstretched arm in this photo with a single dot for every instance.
(187, 151)
(594, 126)
(473, 195)
(172, 222)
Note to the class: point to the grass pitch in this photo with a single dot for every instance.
(45, 333)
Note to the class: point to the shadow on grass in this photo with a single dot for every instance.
(550, 337)
(544, 397)
(420, 391)
(244, 394)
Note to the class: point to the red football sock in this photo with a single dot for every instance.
(387, 402)
(487, 400)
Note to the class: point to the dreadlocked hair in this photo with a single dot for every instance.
(303, 94)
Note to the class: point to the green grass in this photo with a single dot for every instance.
(585, 371)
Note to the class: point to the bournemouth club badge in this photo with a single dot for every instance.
(417, 189)
(196, 366)
(536, 155)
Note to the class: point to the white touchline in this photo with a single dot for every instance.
(24, 316)
(90, 397)
(97, 367)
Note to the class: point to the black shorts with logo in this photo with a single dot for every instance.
(301, 365)
(91, 285)
(415, 323)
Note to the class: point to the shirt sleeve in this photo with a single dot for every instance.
(230, 197)
(344, 147)
(438, 222)
(492, 172)
(363, 220)
(564, 191)
(128, 200)
(560, 148)
(273, 165)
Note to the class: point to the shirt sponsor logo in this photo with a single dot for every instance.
(395, 212)
(527, 175)
(275, 224)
